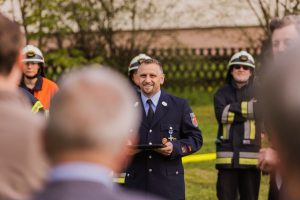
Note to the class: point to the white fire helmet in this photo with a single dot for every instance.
(32, 54)
(242, 58)
(135, 62)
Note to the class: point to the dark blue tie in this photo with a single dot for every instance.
(150, 114)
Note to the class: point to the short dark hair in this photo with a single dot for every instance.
(150, 61)
(277, 23)
(10, 44)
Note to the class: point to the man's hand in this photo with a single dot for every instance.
(134, 151)
(167, 150)
(131, 149)
(267, 159)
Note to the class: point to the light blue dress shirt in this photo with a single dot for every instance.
(82, 171)
(154, 99)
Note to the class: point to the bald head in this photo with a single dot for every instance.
(93, 110)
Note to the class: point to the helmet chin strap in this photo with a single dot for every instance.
(32, 77)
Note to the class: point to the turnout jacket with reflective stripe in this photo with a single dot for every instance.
(238, 140)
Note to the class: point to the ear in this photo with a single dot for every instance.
(162, 79)
(19, 61)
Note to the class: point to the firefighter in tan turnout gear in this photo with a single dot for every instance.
(238, 141)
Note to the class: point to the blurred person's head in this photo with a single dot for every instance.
(151, 77)
(92, 118)
(11, 41)
(284, 33)
(281, 104)
(241, 68)
(22, 162)
(133, 67)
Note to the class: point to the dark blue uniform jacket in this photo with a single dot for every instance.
(155, 173)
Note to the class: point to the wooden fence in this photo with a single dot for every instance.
(185, 69)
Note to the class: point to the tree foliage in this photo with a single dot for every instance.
(90, 28)
(265, 10)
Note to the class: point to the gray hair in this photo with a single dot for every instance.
(94, 108)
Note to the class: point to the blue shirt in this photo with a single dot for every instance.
(81, 171)
(154, 99)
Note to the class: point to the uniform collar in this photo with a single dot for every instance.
(154, 98)
(81, 171)
(38, 85)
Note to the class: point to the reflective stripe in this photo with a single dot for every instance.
(227, 116)
(226, 131)
(250, 110)
(244, 108)
(248, 155)
(223, 160)
(224, 157)
(248, 161)
(247, 129)
(252, 129)
(225, 154)
(248, 158)
(247, 109)
(36, 107)
(119, 180)
(230, 117)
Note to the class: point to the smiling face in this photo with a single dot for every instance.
(150, 78)
(241, 74)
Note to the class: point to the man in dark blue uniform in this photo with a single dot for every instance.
(167, 120)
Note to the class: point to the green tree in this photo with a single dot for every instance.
(90, 29)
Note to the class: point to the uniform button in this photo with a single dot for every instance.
(150, 143)
(128, 174)
(177, 172)
(150, 156)
(150, 170)
(150, 131)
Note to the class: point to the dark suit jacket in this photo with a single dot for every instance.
(164, 175)
(86, 190)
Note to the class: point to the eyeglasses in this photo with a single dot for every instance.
(241, 66)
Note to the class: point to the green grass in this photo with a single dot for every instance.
(200, 178)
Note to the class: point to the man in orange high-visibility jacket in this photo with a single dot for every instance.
(33, 77)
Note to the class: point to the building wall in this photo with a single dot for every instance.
(220, 37)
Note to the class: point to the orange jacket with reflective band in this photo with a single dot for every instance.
(49, 88)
